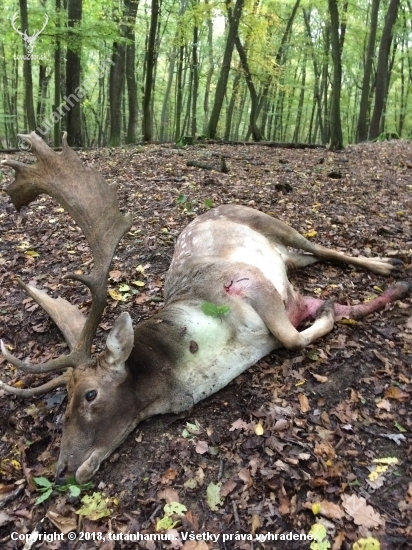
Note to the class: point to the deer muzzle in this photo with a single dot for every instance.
(83, 473)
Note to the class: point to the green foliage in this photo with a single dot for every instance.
(213, 310)
(191, 430)
(95, 506)
(46, 488)
(289, 68)
(183, 201)
(386, 136)
(169, 521)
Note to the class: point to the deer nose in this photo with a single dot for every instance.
(61, 478)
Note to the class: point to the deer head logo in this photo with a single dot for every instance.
(29, 40)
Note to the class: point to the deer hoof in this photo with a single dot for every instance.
(327, 310)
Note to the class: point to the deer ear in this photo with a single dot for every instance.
(119, 343)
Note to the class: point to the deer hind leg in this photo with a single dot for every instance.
(280, 233)
(380, 266)
(277, 231)
(297, 260)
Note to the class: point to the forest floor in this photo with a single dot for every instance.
(297, 429)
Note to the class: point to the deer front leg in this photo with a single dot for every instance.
(268, 304)
(272, 311)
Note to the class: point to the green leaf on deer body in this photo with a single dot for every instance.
(213, 310)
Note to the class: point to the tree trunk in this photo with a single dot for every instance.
(189, 88)
(296, 132)
(232, 103)
(73, 73)
(382, 70)
(280, 57)
(57, 77)
(362, 130)
(195, 79)
(130, 35)
(336, 140)
(257, 136)
(44, 79)
(150, 63)
(224, 73)
(240, 116)
(28, 80)
(165, 116)
(9, 128)
(317, 98)
(179, 92)
(209, 72)
(101, 106)
(405, 89)
(116, 84)
(323, 112)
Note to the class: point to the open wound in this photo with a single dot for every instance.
(237, 287)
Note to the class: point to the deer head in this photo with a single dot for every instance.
(92, 203)
(30, 40)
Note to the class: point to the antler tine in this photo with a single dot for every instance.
(38, 390)
(70, 321)
(67, 317)
(92, 203)
(60, 363)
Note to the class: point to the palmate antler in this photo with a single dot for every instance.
(92, 203)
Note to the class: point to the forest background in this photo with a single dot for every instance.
(126, 71)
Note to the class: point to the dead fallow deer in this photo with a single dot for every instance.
(230, 256)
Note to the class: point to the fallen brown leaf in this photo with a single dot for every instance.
(245, 476)
(304, 402)
(395, 393)
(64, 523)
(227, 487)
(202, 447)
(361, 512)
(319, 377)
(328, 509)
(169, 495)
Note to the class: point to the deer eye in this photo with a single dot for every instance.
(91, 395)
